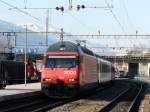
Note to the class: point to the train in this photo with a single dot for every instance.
(13, 72)
(69, 69)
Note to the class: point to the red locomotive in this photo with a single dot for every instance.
(69, 69)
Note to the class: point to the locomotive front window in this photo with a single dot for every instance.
(60, 62)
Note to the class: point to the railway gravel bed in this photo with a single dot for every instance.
(95, 102)
(145, 99)
(91, 102)
(129, 101)
(15, 104)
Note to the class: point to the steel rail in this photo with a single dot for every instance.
(110, 105)
(130, 109)
(50, 106)
(21, 101)
(46, 104)
(21, 106)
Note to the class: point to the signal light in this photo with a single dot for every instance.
(57, 8)
(60, 8)
(80, 6)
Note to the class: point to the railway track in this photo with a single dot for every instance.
(14, 103)
(93, 102)
(111, 98)
(122, 97)
(126, 101)
(36, 103)
(39, 102)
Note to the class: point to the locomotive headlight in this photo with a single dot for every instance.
(71, 80)
(47, 79)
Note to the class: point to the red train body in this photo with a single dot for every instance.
(69, 69)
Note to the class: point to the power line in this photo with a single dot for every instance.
(129, 18)
(83, 6)
(92, 36)
(115, 17)
(120, 48)
(111, 36)
(127, 14)
(79, 21)
(24, 12)
(93, 7)
(34, 8)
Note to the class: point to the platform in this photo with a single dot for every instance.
(21, 90)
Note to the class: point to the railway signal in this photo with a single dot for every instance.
(60, 8)
(94, 7)
(80, 6)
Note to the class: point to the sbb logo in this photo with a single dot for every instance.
(69, 72)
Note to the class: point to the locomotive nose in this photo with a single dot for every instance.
(60, 81)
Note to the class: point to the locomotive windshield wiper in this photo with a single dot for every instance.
(52, 67)
(69, 67)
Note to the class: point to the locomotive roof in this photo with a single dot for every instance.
(68, 47)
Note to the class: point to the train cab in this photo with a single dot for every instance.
(70, 69)
(60, 72)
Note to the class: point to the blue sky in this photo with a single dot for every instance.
(132, 14)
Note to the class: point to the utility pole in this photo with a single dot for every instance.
(25, 62)
(8, 41)
(136, 33)
(62, 46)
(47, 26)
(61, 36)
(70, 5)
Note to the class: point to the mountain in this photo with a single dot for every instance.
(17, 41)
(36, 42)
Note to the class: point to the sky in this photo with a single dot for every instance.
(129, 15)
(126, 17)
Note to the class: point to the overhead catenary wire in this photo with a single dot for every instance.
(89, 36)
(80, 22)
(115, 17)
(26, 13)
(128, 16)
(117, 20)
